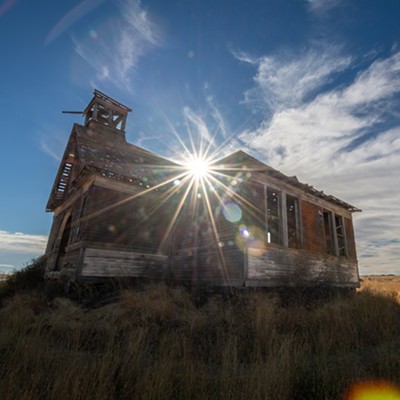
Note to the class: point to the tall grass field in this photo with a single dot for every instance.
(163, 342)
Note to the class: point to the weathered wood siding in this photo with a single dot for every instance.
(286, 267)
(123, 219)
(67, 263)
(351, 241)
(113, 263)
(210, 266)
(55, 262)
(209, 247)
(312, 228)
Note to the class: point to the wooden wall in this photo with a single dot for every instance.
(117, 233)
(286, 267)
(312, 228)
(207, 242)
(124, 220)
(100, 263)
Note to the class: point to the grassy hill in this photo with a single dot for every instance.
(160, 342)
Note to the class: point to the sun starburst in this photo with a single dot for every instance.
(198, 167)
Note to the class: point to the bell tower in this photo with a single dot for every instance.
(106, 111)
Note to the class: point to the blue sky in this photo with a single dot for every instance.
(311, 87)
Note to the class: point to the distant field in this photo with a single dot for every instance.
(382, 283)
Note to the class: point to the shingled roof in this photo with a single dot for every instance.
(108, 155)
(240, 160)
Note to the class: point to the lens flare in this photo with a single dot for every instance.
(373, 390)
(231, 211)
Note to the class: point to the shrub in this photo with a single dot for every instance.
(28, 278)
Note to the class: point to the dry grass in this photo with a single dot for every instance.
(382, 284)
(160, 344)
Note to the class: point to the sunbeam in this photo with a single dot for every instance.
(175, 216)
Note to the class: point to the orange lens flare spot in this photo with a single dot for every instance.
(375, 390)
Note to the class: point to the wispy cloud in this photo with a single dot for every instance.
(203, 129)
(331, 121)
(289, 80)
(51, 140)
(344, 140)
(322, 6)
(115, 48)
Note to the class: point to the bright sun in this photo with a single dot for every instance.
(198, 167)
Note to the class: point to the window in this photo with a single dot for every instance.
(335, 238)
(340, 235)
(292, 217)
(273, 216)
(328, 233)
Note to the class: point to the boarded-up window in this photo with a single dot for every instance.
(274, 216)
(292, 214)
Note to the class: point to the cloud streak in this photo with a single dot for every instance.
(114, 49)
(322, 6)
(344, 140)
(289, 80)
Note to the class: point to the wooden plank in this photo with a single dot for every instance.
(206, 266)
(294, 267)
(113, 263)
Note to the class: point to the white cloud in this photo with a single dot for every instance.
(22, 243)
(17, 249)
(331, 122)
(115, 48)
(288, 81)
(334, 141)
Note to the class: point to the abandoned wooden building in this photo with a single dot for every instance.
(122, 211)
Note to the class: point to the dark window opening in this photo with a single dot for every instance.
(292, 213)
(274, 217)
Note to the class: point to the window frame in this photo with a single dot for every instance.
(336, 249)
(277, 218)
(297, 222)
